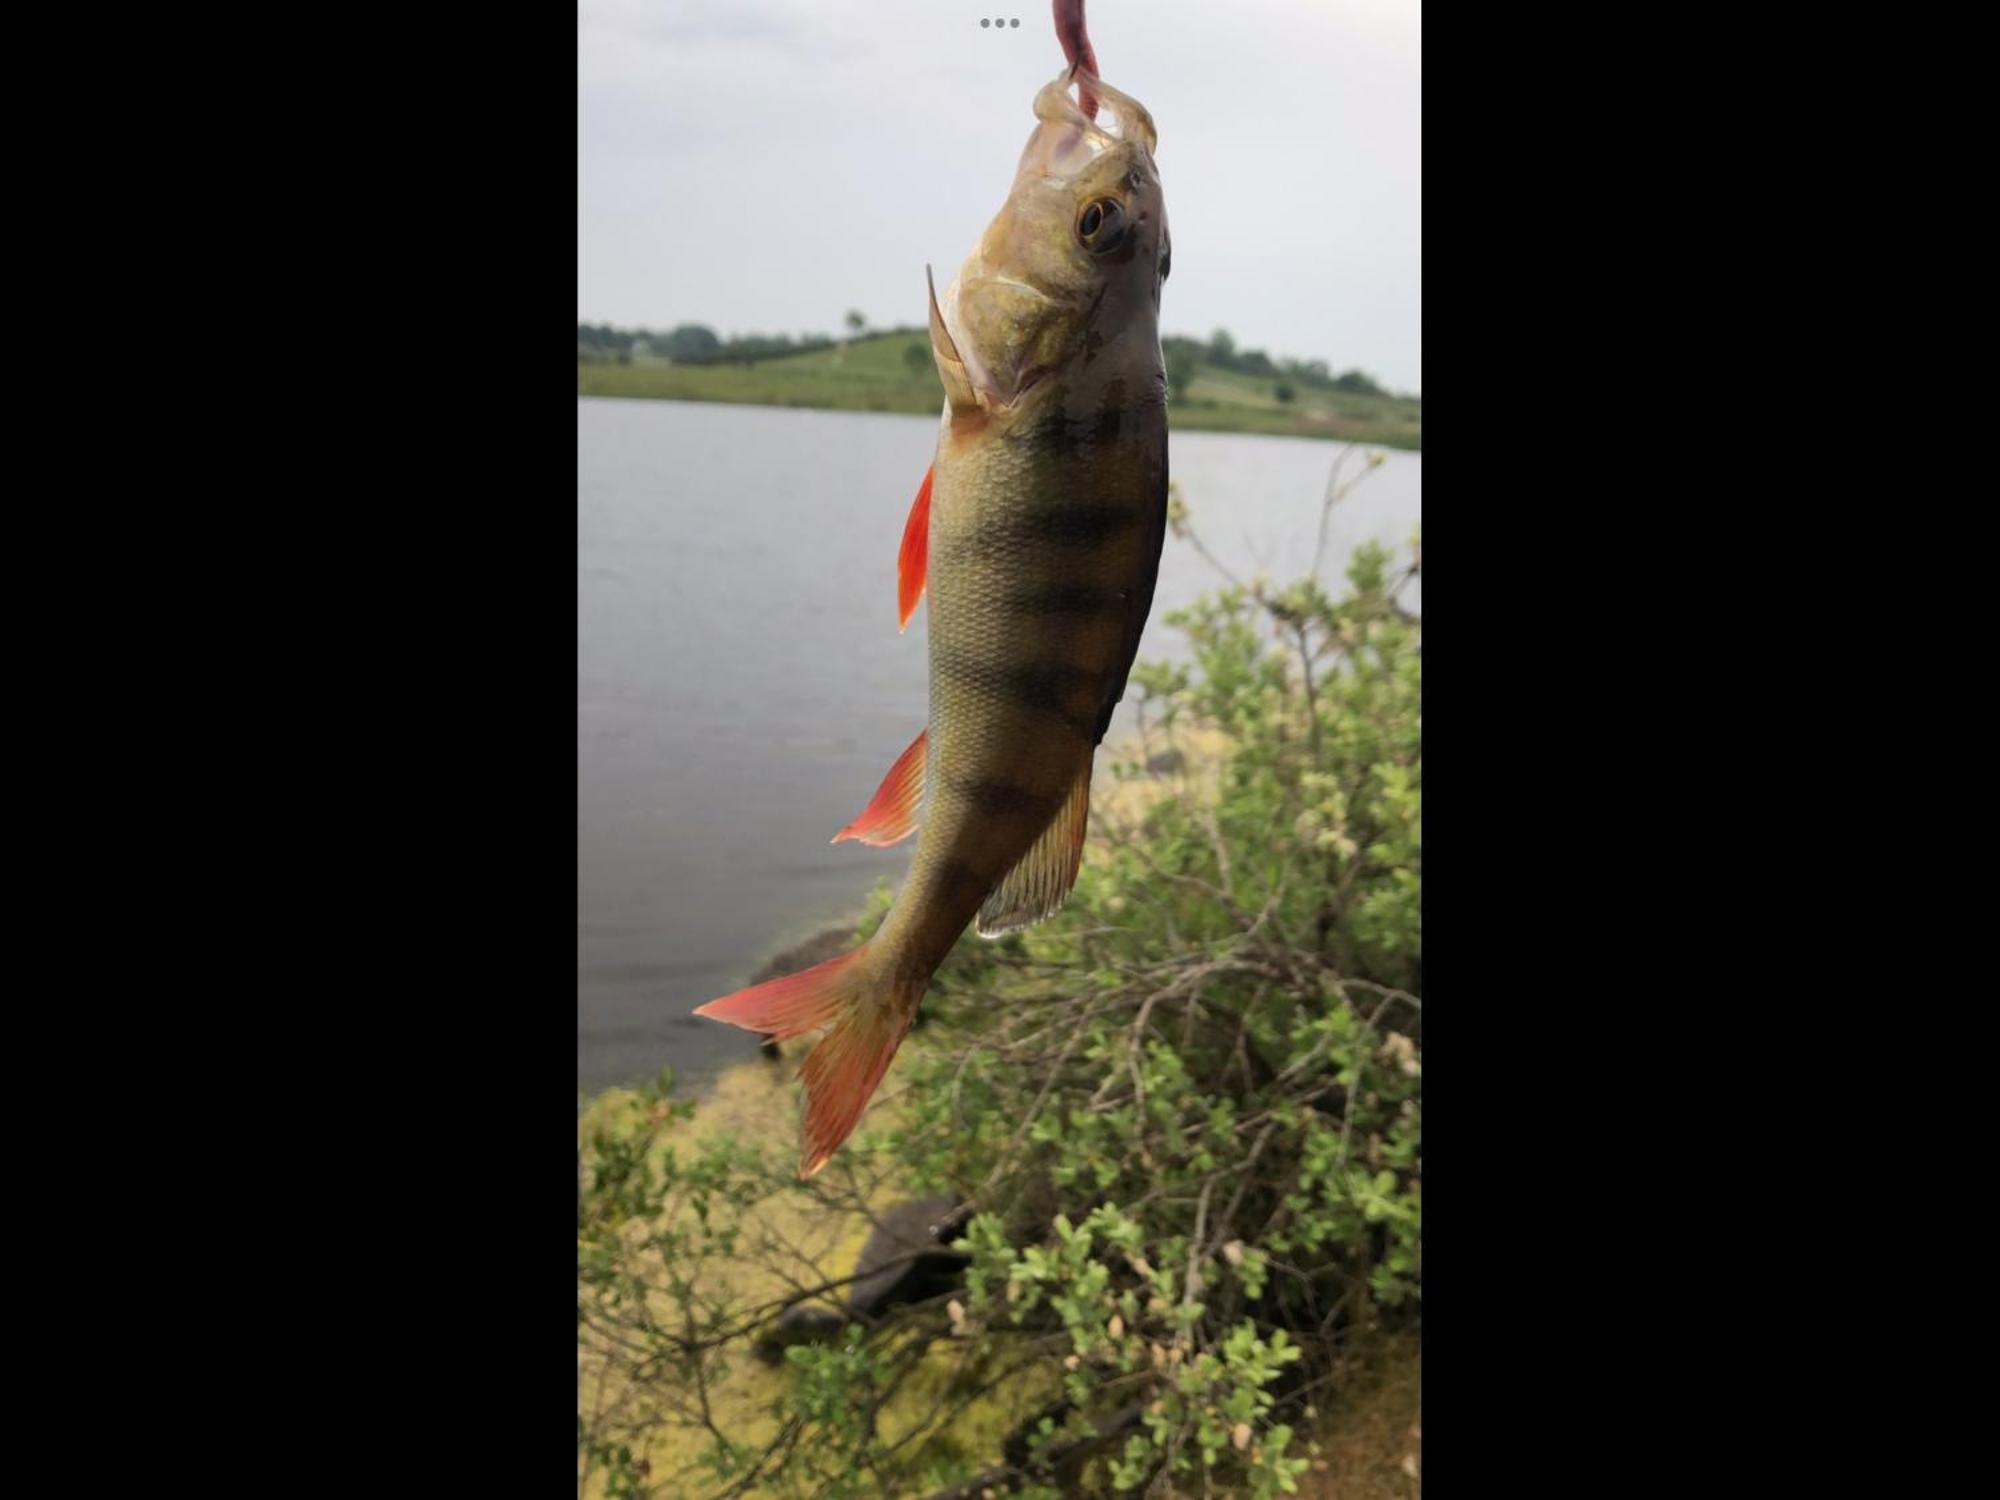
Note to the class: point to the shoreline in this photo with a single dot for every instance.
(891, 371)
(1195, 420)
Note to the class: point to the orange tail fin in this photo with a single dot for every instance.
(841, 1076)
(891, 816)
(913, 561)
(792, 1006)
(844, 1069)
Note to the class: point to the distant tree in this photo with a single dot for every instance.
(1283, 391)
(1222, 348)
(1256, 362)
(1360, 384)
(1181, 364)
(603, 337)
(689, 341)
(857, 323)
(917, 357)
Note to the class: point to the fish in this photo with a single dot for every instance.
(1036, 537)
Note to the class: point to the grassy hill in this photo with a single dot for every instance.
(881, 373)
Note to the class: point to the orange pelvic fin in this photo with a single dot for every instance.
(913, 561)
(891, 816)
(844, 1070)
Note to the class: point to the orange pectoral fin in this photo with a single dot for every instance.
(913, 561)
(891, 815)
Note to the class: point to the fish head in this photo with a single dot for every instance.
(1075, 258)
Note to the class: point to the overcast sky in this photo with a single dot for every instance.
(765, 165)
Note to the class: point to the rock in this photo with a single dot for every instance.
(829, 942)
(888, 1275)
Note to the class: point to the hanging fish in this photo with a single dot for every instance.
(1037, 533)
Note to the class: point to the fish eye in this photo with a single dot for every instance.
(1101, 226)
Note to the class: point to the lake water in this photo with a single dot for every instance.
(741, 687)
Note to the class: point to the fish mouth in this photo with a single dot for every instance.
(1067, 140)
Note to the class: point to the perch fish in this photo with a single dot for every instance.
(1037, 535)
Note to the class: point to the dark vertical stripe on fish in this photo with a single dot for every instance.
(1000, 797)
(1068, 694)
(1069, 599)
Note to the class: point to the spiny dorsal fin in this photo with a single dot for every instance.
(1039, 884)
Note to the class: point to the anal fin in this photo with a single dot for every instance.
(1041, 880)
(891, 814)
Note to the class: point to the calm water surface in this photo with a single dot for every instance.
(741, 687)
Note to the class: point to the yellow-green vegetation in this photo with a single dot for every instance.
(1182, 1121)
(893, 372)
(753, 1253)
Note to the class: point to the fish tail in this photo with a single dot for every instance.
(867, 1018)
(842, 1073)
